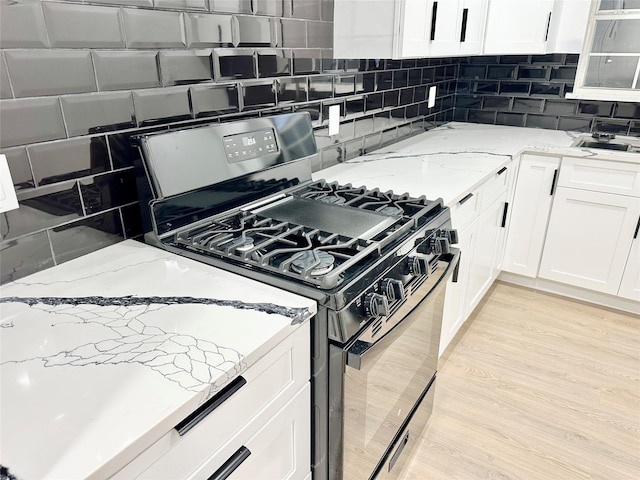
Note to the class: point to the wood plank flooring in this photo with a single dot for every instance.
(536, 386)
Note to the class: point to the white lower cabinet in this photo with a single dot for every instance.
(279, 449)
(486, 253)
(261, 430)
(480, 219)
(589, 238)
(530, 211)
(630, 284)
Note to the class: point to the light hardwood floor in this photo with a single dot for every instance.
(536, 386)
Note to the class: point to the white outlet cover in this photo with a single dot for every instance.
(432, 97)
(334, 119)
(8, 200)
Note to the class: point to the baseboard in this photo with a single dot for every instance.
(570, 291)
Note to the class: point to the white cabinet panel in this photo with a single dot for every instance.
(488, 245)
(630, 285)
(530, 214)
(568, 26)
(517, 26)
(454, 308)
(280, 450)
(414, 32)
(589, 238)
(600, 175)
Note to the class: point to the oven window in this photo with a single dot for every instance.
(379, 396)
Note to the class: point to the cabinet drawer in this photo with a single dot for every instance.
(270, 383)
(466, 209)
(600, 176)
(274, 446)
(495, 185)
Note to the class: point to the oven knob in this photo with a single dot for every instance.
(393, 289)
(418, 266)
(435, 246)
(451, 234)
(376, 305)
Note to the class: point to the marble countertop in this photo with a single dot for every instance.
(449, 161)
(102, 355)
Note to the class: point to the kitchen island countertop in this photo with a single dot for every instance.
(103, 354)
(451, 160)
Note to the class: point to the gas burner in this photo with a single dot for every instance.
(322, 262)
(335, 199)
(392, 210)
(243, 244)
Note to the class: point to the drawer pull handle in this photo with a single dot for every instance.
(504, 214)
(553, 182)
(466, 197)
(231, 464)
(635, 234)
(463, 29)
(396, 455)
(546, 34)
(434, 16)
(502, 170)
(209, 406)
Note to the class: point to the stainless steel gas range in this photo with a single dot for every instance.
(239, 196)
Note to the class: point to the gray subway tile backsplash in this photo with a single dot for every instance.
(109, 190)
(87, 235)
(273, 63)
(5, 86)
(258, 94)
(184, 67)
(30, 120)
(231, 6)
(209, 100)
(181, 4)
(232, 64)
(153, 28)
(50, 72)
(54, 162)
(23, 256)
(161, 105)
(253, 31)
(20, 167)
(97, 112)
(82, 26)
(22, 25)
(292, 90)
(121, 70)
(208, 30)
(319, 34)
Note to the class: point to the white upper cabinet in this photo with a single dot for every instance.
(568, 26)
(517, 26)
(408, 28)
(444, 28)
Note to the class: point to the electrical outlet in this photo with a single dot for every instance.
(432, 97)
(8, 200)
(334, 119)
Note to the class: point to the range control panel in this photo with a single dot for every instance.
(248, 145)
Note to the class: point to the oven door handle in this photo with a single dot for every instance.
(359, 350)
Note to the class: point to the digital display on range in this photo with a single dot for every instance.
(244, 146)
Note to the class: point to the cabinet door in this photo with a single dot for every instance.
(568, 26)
(589, 238)
(280, 450)
(630, 285)
(471, 27)
(445, 28)
(360, 31)
(414, 18)
(529, 214)
(482, 270)
(517, 26)
(454, 314)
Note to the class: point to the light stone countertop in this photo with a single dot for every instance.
(103, 354)
(450, 161)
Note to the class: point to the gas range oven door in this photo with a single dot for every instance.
(386, 381)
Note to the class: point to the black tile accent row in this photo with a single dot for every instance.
(529, 91)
